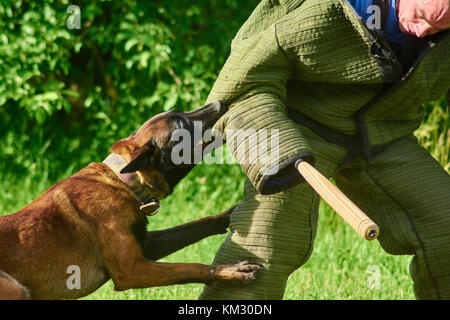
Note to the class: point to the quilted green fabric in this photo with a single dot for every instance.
(318, 58)
(404, 190)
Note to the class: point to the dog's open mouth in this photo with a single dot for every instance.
(150, 207)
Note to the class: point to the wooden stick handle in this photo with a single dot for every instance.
(356, 218)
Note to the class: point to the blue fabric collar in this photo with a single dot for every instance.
(391, 29)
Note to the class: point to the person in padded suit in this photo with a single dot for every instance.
(343, 91)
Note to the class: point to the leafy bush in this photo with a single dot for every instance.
(67, 94)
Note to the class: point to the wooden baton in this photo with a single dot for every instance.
(354, 216)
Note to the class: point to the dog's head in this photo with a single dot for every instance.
(148, 151)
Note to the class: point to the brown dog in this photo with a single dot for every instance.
(95, 220)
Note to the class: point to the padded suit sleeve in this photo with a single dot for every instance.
(264, 141)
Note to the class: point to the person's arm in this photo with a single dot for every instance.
(253, 80)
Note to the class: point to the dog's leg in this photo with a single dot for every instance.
(146, 273)
(11, 289)
(161, 243)
(128, 268)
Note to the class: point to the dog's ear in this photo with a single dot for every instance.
(122, 146)
(142, 156)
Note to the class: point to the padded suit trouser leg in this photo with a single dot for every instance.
(407, 193)
(276, 231)
(404, 190)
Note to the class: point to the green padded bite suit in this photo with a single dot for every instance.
(318, 58)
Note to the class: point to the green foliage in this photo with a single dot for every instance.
(67, 94)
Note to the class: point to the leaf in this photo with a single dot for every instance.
(130, 44)
(48, 96)
(40, 115)
(170, 102)
(66, 106)
(77, 47)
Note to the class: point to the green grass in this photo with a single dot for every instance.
(434, 133)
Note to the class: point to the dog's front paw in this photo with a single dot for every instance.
(240, 272)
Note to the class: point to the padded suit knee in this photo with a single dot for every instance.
(276, 231)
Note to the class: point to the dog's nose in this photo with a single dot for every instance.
(208, 114)
(219, 107)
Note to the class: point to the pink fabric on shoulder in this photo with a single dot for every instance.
(421, 18)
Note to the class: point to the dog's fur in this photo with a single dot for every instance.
(92, 220)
